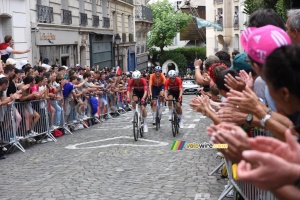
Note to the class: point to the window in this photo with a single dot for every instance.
(129, 24)
(94, 7)
(236, 42)
(81, 6)
(123, 24)
(104, 8)
(65, 4)
(115, 21)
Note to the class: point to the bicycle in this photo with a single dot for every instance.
(175, 119)
(138, 122)
(158, 113)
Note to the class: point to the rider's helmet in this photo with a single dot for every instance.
(136, 74)
(172, 73)
(158, 68)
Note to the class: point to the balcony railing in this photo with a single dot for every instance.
(45, 14)
(66, 16)
(123, 37)
(106, 22)
(218, 1)
(143, 13)
(96, 20)
(83, 19)
(128, 1)
(130, 36)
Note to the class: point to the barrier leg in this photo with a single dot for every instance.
(217, 168)
(225, 192)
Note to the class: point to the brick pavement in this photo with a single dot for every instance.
(52, 171)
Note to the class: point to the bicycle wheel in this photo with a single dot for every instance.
(173, 122)
(177, 125)
(141, 127)
(135, 127)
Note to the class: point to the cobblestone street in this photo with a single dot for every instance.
(104, 162)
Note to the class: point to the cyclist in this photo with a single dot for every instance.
(156, 88)
(137, 86)
(173, 89)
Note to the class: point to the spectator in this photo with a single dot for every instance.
(6, 48)
(293, 25)
(264, 17)
(224, 58)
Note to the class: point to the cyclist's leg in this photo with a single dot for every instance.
(179, 110)
(170, 97)
(144, 115)
(155, 95)
(133, 103)
(161, 94)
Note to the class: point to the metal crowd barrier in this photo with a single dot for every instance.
(8, 127)
(35, 119)
(247, 190)
(28, 119)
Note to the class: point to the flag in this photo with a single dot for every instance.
(118, 71)
(204, 23)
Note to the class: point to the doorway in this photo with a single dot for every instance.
(65, 60)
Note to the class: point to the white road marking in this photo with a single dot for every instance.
(196, 120)
(156, 143)
(189, 125)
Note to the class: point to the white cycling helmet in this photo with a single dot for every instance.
(157, 68)
(172, 73)
(136, 74)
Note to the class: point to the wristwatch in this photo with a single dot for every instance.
(264, 120)
(249, 118)
(197, 67)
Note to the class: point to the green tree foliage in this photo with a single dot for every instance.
(280, 6)
(181, 56)
(191, 53)
(166, 24)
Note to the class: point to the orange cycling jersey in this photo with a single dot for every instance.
(157, 81)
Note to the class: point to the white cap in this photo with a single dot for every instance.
(2, 75)
(11, 61)
(77, 65)
(46, 66)
(22, 63)
(65, 67)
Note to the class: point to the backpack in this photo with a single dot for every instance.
(94, 105)
(57, 133)
(68, 87)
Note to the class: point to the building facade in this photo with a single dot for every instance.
(14, 21)
(143, 23)
(228, 14)
(122, 12)
(68, 32)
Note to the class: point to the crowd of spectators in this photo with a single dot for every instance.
(258, 90)
(67, 94)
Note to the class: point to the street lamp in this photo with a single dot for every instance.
(150, 56)
(117, 41)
